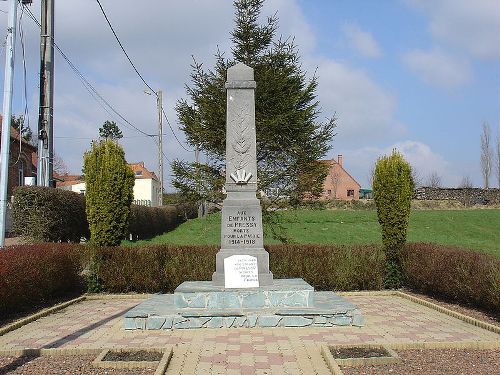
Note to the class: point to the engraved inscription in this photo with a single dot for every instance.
(241, 229)
(241, 271)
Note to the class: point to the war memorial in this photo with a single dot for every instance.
(242, 292)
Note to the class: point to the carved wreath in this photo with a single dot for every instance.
(240, 142)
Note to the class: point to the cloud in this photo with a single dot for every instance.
(438, 68)
(471, 26)
(160, 38)
(291, 23)
(366, 112)
(361, 41)
(422, 158)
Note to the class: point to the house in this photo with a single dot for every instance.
(22, 160)
(146, 186)
(339, 184)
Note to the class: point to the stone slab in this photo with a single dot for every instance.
(163, 311)
(283, 293)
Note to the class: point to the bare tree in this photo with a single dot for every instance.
(335, 180)
(59, 166)
(498, 158)
(417, 177)
(434, 180)
(486, 154)
(466, 183)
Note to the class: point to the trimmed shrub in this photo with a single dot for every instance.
(392, 192)
(330, 267)
(110, 183)
(154, 268)
(44, 214)
(147, 222)
(162, 268)
(461, 275)
(31, 275)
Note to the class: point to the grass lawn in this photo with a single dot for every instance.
(472, 229)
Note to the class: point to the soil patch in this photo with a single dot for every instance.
(358, 352)
(139, 356)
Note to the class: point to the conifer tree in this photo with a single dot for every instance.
(289, 137)
(110, 130)
(109, 192)
(392, 191)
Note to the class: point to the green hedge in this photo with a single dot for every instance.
(49, 270)
(456, 274)
(31, 275)
(44, 214)
(162, 268)
(147, 222)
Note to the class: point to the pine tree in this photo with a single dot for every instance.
(289, 138)
(110, 130)
(109, 192)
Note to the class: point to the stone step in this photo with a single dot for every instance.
(283, 293)
(162, 312)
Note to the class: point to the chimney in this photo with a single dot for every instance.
(340, 160)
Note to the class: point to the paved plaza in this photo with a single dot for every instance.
(97, 323)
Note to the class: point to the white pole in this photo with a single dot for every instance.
(159, 96)
(7, 114)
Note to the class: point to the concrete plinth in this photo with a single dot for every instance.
(287, 303)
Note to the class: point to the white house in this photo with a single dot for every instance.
(146, 187)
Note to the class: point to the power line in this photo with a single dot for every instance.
(89, 87)
(170, 126)
(121, 46)
(139, 74)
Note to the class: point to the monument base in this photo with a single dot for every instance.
(200, 304)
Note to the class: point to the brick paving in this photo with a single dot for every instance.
(391, 320)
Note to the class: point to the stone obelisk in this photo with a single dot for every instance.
(242, 261)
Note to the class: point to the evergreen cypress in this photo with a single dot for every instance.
(289, 138)
(392, 191)
(109, 192)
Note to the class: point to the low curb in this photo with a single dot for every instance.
(454, 314)
(431, 305)
(105, 296)
(21, 322)
(335, 363)
(161, 366)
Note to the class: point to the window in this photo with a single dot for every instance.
(21, 173)
(138, 173)
(350, 193)
(329, 192)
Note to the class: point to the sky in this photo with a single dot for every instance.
(419, 76)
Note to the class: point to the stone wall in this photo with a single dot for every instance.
(467, 196)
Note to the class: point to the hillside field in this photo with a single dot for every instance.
(477, 229)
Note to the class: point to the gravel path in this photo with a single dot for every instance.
(436, 362)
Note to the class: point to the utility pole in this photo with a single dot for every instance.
(159, 102)
(46, 109)
(7, 115)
